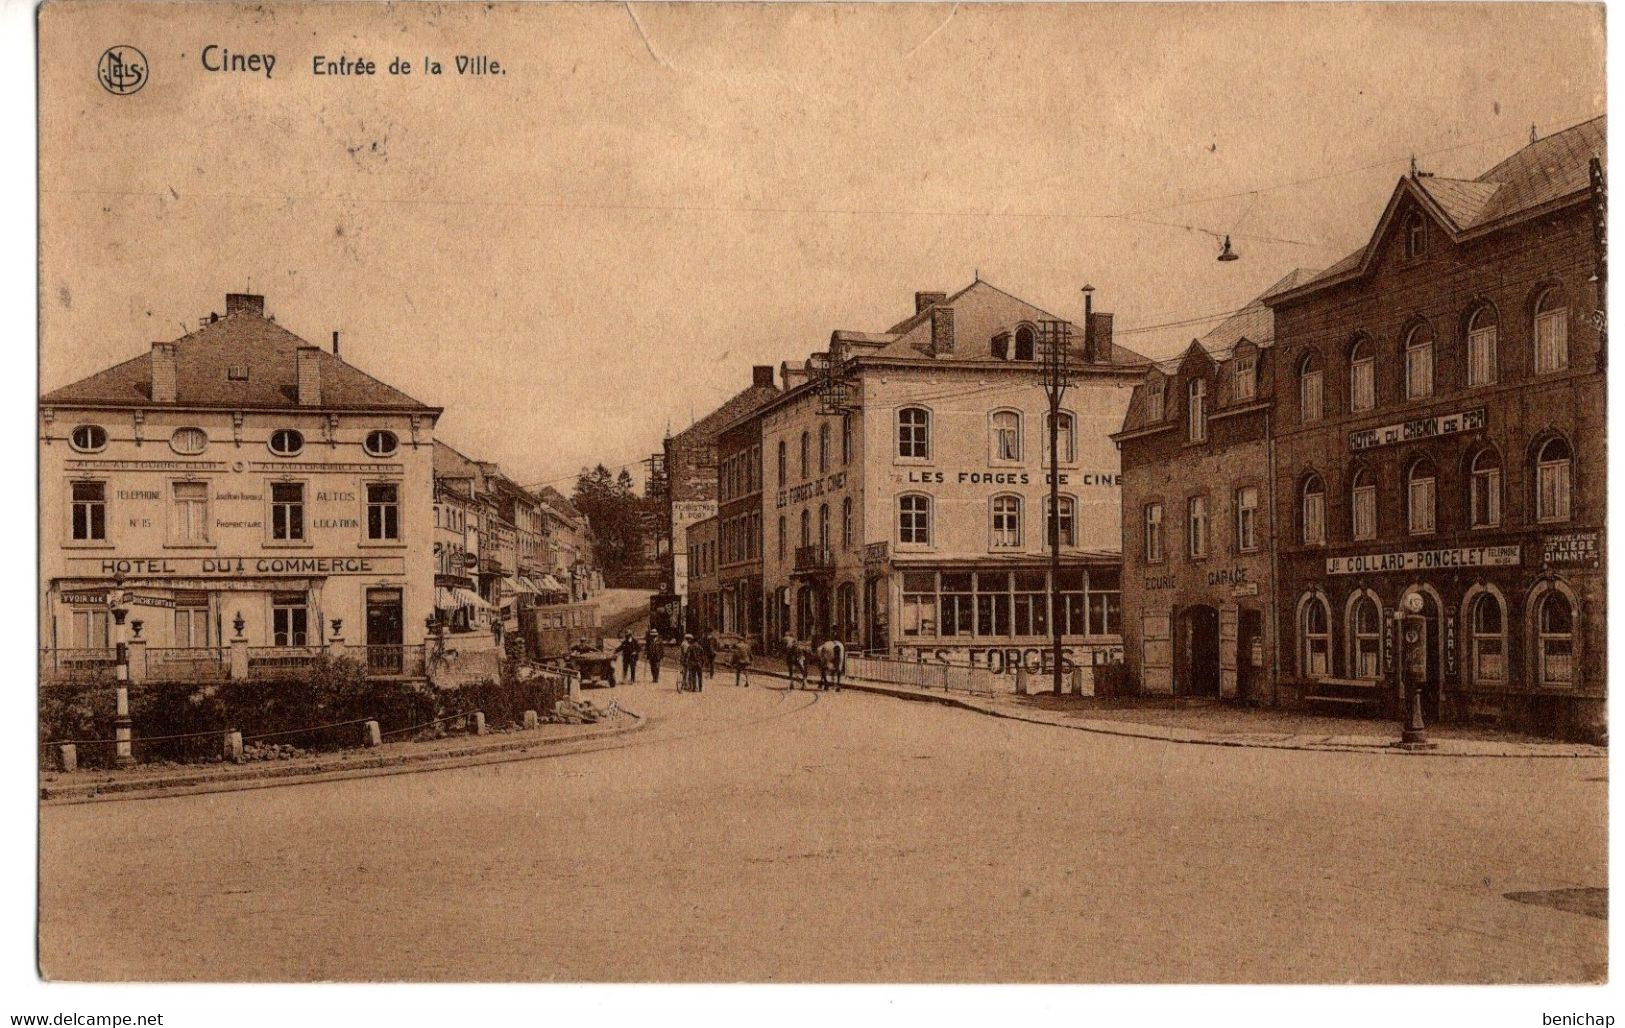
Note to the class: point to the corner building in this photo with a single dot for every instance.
(236, 472)
(1440, 432)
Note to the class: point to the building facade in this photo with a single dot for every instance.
(910, 514)
(1439, 434)
(236, 476)
(739, 528)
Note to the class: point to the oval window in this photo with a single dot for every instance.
(88, 438)
(380, 443)
(189, 441)
(285, 442)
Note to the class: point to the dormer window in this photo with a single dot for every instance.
(381, 443)
(1416, 235)
(286, 442)
(88, 438)
(1246, 372)
(1025, 343)
(1198, 410)
(1001, 346)
(1153, 399)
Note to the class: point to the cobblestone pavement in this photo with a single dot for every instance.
(770, 836)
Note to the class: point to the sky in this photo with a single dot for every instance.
(593, 247)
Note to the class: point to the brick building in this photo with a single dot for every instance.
(1440, 417)
(739, 528)
(1197, 528)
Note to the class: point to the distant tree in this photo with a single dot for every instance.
(612, 507)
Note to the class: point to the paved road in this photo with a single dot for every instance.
(771, 836)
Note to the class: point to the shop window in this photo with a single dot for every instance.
(1419, 363)
(1311, 391)
(290, 620)
(88, 438)
(1421, 498)
(1066, 438)
(1105, 601)
(914, 433)
(1554, 641)
(89, 511)
(286, 442)
(1363, 505)
(914, 520)
(1312, 512)
(1066, 524)
(1247, 518)
(954, 602)
(189, 512)
(1073, 600)
(1551, 331)
(994, 617)
(1006, 435)
(1314, 637)
(1487, 641)
(383, 511)
(1006, 512)
(189, 442)
(1484, 488)
(1153, 533)
(1362, 376)
(919, 612)
(1031, 591)
(1365, 637)
(1554, 470)
(1196, 410)
(1481, 347)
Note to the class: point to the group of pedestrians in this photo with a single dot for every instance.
(696, 658)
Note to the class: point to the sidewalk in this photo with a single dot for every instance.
(1221, 725)
(87, 786)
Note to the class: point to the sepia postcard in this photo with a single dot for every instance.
(822, 493)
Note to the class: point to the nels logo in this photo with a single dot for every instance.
(122, 70)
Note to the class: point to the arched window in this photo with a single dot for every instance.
(784, 463)
(1416, 235)
(823, 448)
(1312, 511)
(914, 433)
(88, 438)
(1365, 637)
(1421, 497)
(1314, 637)
(1311, 388)
(1196, 421)
(1006, 435)
(806, 528)
(1554, 640)
(1484, 488)
(1418, 363)
(914, 520)
(1006, 513)
(1363, 504)
(1362, 376)
(193, 441)
(1067, 524)
(1481, 346)
(1066, 437)
(1024, 343)
(1486, 627)
(782, 533)
(1554, 471)
(285, 442)
(806, 454)
(823, 526)
(1551, 331)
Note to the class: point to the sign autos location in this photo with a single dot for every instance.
(1425, 560)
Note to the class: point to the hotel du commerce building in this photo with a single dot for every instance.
(1439, 435)
(237, 475)
(904, 495)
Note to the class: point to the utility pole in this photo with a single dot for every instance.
(1058, 369)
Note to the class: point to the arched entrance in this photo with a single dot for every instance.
(1199, 651)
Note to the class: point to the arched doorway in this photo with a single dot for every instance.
(1199, 651)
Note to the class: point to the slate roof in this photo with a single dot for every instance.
(242, 339)
(1254, 322)
(705, 430)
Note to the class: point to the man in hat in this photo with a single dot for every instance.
(654, 648)
(628, 649)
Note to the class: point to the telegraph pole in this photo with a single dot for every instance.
(1057, 369)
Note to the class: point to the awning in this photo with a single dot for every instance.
(549, 584)
(514, 586)
(455, 597)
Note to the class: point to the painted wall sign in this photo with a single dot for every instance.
(1006, 660)
(1425, 560)
(310, 467)
(1572, 549)
(1160, 581)
(1228, 576)
(146, 465)
(87, 567)
(1419, 428)
(807, 490)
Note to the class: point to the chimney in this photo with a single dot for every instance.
(164, 373)
(245, 303)
(924, 300)
(310, 376)
(335, 342)
(1097, 336)
(762, 375)
(942, 330)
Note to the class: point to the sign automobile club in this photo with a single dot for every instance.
(1419, 428)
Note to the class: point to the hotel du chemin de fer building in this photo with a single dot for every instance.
(236, 476)
(894, 494)
(1418, 428)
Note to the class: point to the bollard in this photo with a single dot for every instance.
(231, 746)
(530, 719)
(1021, 681)
(369, 734)
(1077, 681)
(68, 756)
(478, 727)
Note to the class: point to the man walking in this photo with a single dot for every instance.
(628, 649)
(741, 657)
(654, 648)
